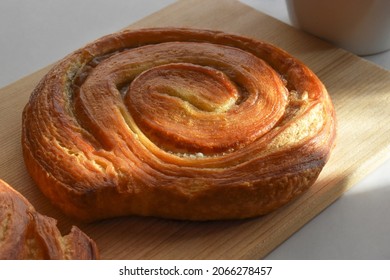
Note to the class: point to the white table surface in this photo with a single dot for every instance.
(34, 34)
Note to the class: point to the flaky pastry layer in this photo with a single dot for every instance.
(177, 123)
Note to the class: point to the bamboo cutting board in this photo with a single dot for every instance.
(361, 94)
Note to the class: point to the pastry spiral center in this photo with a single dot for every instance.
(181, 95)
(179, 103)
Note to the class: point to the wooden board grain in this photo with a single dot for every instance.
(361, 94)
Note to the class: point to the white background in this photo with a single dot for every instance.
(34, 34)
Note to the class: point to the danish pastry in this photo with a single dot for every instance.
(177, 123)
(26, 234)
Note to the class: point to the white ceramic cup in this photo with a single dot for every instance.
(360, 26)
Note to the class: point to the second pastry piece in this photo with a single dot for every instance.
(26, 234)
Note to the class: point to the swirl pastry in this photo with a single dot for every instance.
(177, 123)
(26, 234)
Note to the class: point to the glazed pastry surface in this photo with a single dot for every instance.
(177, 123)
(25, 234)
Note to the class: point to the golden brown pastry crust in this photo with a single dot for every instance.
(26, 234)
(177, 123)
